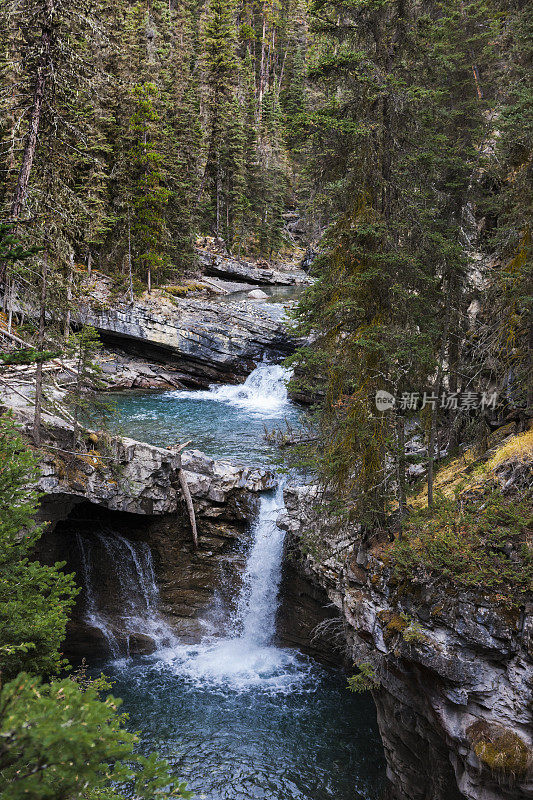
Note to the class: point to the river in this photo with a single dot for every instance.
(239, 717)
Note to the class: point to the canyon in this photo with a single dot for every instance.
(116, 513)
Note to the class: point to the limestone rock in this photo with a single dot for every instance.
(142, 479)
(237, 269)
(257, 294)
(202, 341)
(468, 666)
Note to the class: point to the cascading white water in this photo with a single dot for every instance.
(264, 391)
(92, 614)
(246, 657)
(256, 610)
(129, 567)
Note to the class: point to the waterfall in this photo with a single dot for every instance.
(92, 615)
(246, 657)
(121, 593)
(127, 567)
(257, 606)
(264, 391)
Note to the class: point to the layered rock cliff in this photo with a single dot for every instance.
(451, 670)
(205, 341)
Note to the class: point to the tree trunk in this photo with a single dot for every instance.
(434, 411)
(30, 143)
(10, 284)
(40, 344)
(68, 312)
(190, 507)
(262, 68)
(130, 272)
(402, 494)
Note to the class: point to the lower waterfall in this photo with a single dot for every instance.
(131, 607)
(245, 656)
(238, 717)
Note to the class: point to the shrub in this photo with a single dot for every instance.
(365, 681)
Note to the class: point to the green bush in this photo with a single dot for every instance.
(468, 541)
(365, 681)
(60, 740)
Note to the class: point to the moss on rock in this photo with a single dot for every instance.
(500, 750)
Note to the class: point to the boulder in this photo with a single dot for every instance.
(257, 294)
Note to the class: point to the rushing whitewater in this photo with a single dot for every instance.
(264, 391)
(246, 657)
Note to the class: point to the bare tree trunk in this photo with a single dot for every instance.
(10, 284)
(130, 272)
(40, 344)
(529, 397)
(402, 499)
(30, 143)
(218, 204)
(70, 277)
(434, 412)
(190, 507)
(77, 394)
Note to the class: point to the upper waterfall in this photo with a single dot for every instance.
(264, 391)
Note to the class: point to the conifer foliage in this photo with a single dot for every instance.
(403, 108)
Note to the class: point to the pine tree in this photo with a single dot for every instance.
(34, 599)
(392, 140)
(149, 195)
(222, 158)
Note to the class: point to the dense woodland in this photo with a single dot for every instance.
(401, 134)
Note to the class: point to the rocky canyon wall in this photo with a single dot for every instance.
(452, 674)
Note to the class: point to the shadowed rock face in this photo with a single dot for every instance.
(306, 617)
(468, 668)
(138, 499)
(187, 579)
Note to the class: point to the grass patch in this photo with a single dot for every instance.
(519, 449)
(476, 537)
(476, 540)
(183, 291)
